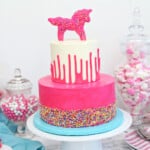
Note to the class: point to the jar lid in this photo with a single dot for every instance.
(18, 82)
(136, 39)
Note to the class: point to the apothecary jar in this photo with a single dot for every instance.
(19, 103)
(133, 75)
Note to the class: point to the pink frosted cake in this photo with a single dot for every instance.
(76, 94)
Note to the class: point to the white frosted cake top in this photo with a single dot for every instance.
(85, 51)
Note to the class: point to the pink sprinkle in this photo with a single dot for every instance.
(131, 91)
(129, 51)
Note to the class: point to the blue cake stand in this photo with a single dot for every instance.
(83, 142)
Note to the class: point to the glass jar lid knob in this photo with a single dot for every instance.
(18, 82)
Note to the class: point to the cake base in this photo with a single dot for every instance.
(89, 142)
(111, 125)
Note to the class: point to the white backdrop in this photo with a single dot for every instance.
(25, 33)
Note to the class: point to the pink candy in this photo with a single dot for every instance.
(19, 108)
(133, 81)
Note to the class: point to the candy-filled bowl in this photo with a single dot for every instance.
(18, 109)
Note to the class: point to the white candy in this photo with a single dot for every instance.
(127, 67)
(144, 86)
(130, 74)
(142, 74)
(138, 67)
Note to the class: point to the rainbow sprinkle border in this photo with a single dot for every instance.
(77, 118)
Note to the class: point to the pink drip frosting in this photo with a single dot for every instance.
(78, 76)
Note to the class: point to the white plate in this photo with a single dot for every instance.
(135, 141)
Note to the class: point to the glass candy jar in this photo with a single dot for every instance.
(20, 103)
(133, 76)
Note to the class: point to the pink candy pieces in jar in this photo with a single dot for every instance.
(19, 108)
(133, 81)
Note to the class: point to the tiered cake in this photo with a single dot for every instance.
(76, 94)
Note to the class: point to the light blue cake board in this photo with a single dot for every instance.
(111, 125)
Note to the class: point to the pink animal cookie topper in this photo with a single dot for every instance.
(76, 23)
